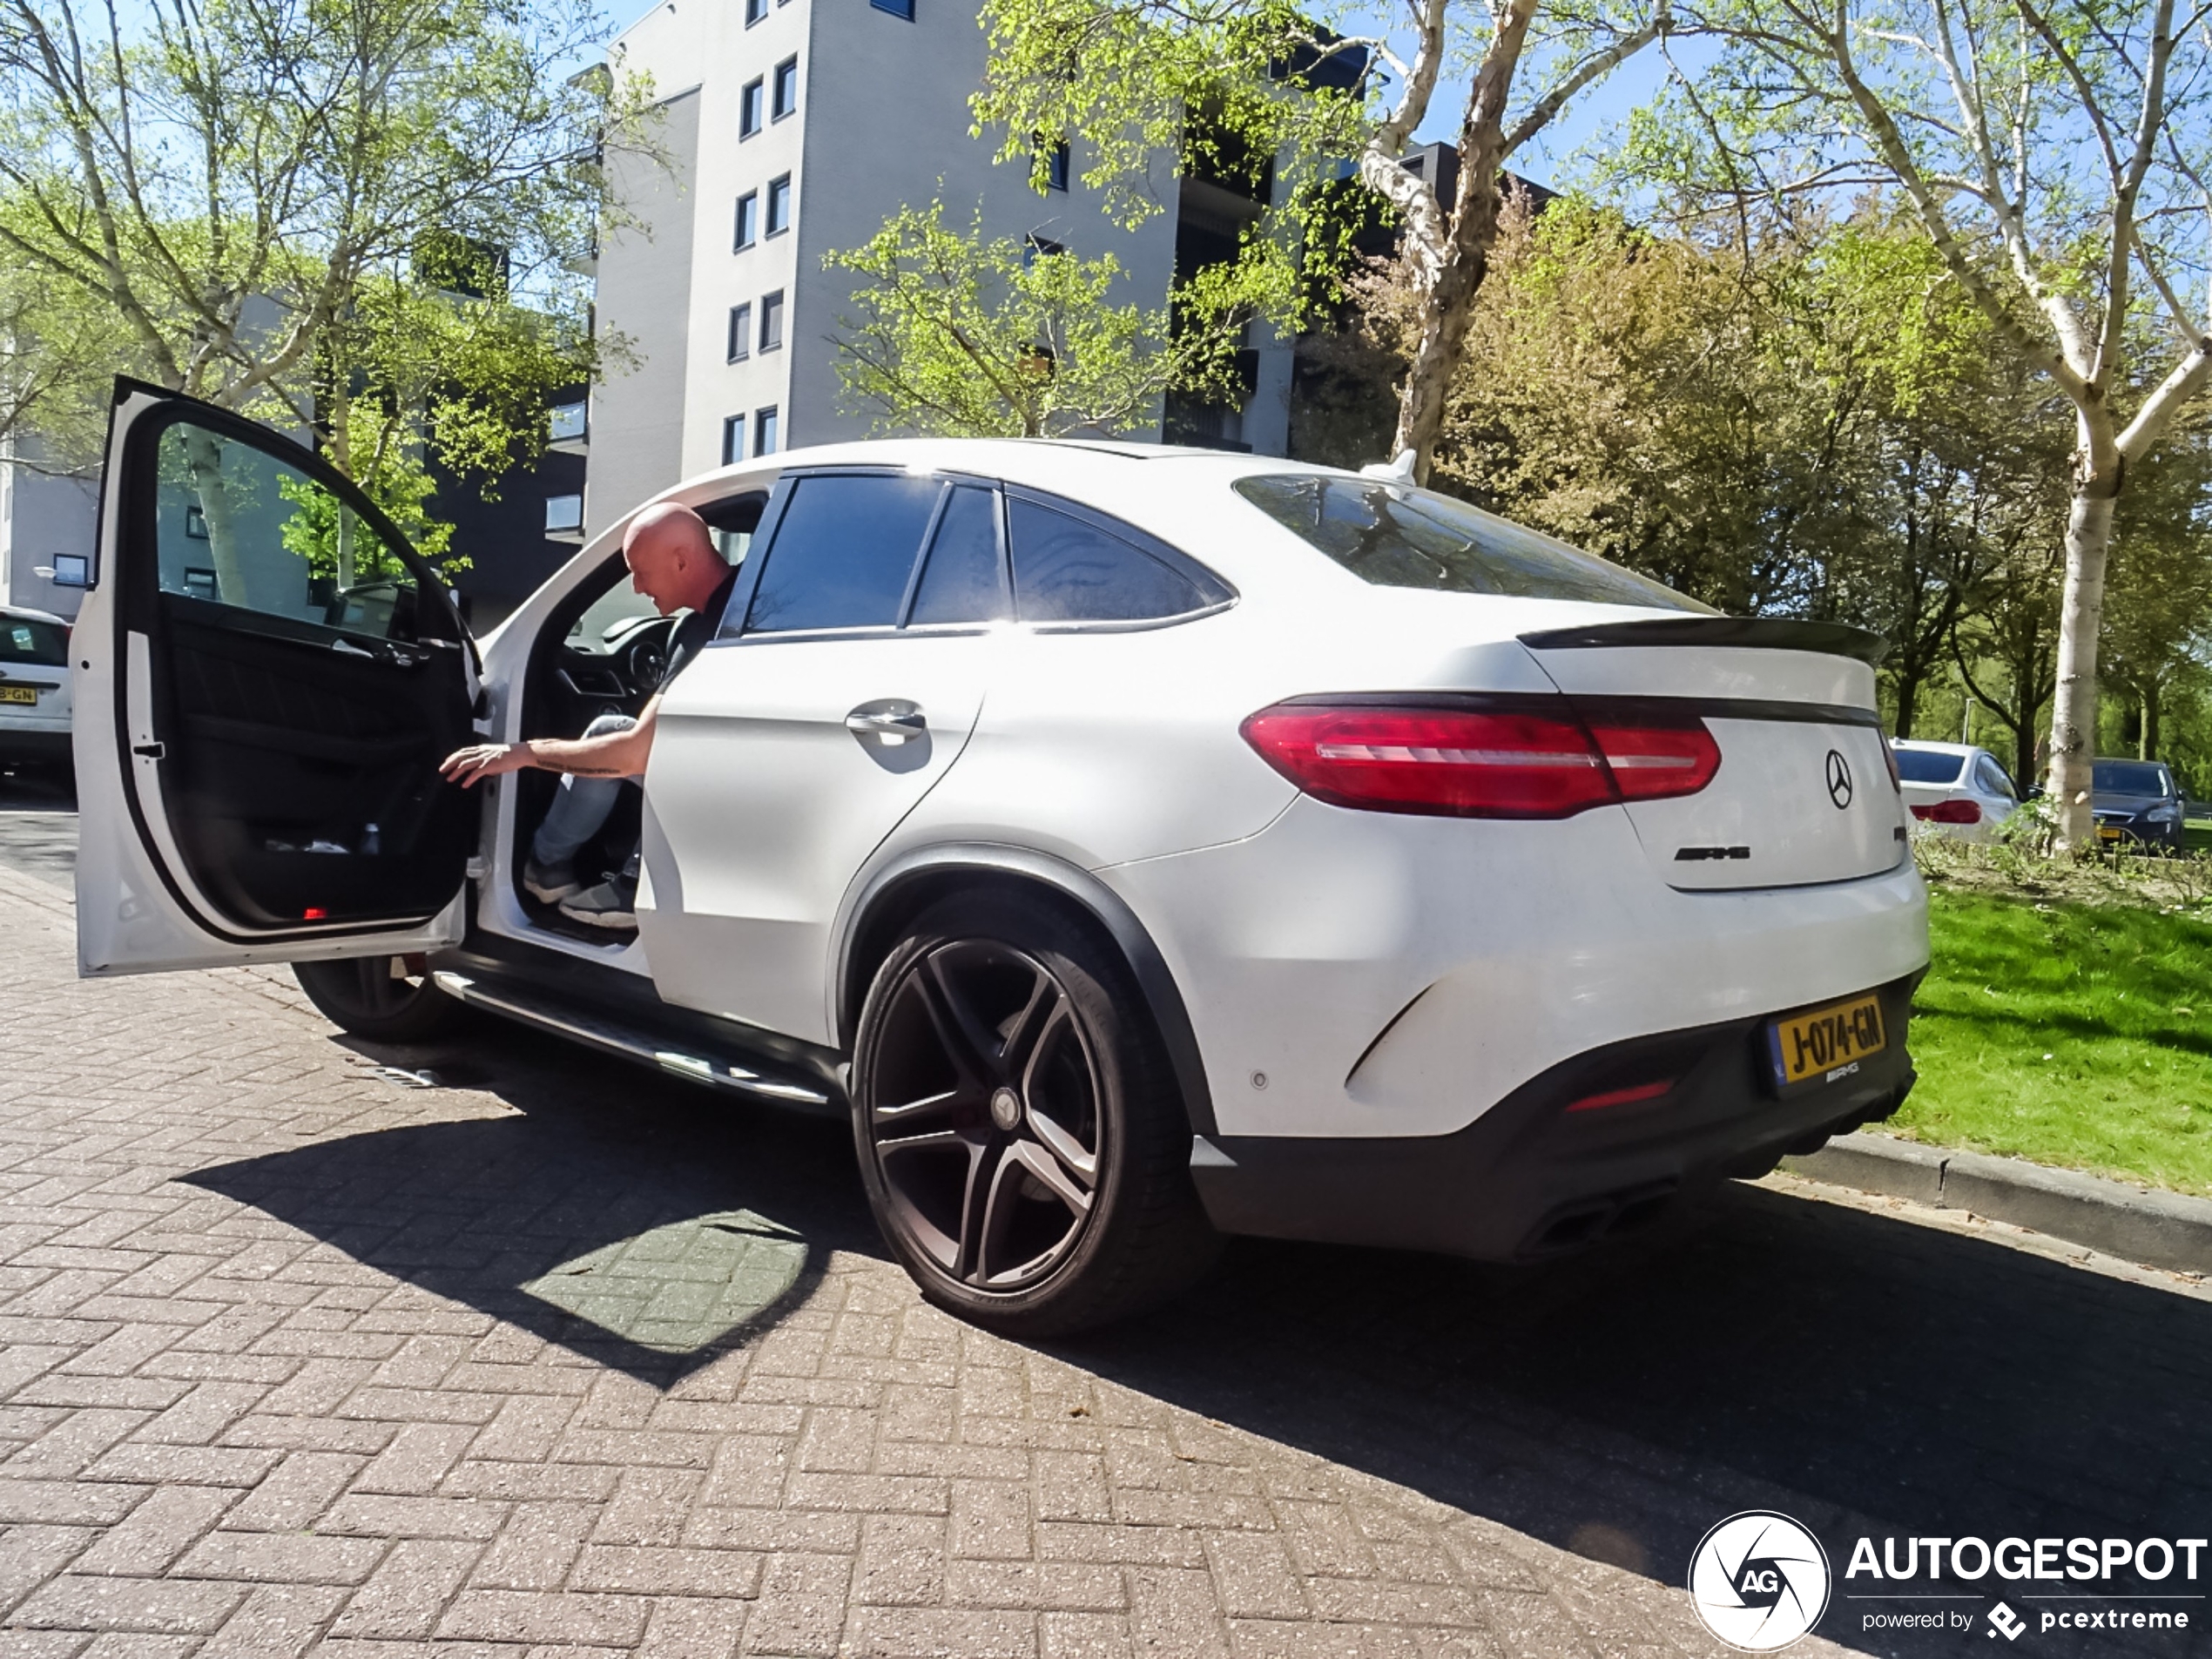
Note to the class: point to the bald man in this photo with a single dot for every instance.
(672, 562)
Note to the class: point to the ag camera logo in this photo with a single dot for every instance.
(1759, 1580)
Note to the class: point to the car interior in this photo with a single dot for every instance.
(300, 714)
(603, 652)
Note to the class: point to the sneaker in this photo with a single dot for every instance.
(609, 905)
(550, 882)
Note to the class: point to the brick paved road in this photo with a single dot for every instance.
(299, 1354)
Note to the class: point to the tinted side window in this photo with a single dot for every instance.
(960, 582)
(238, 526)
(842, 553)
(1066, 570)
(1992, 777)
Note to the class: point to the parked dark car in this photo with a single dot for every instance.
(2137, 800)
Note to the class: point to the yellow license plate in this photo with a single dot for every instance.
(19, 694)
(2106, 832)
(1827, 1043)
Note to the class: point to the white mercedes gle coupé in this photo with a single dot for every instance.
(1139, 845)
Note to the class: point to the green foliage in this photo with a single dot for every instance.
(260, 202)
(1152, 87)
(961, 335)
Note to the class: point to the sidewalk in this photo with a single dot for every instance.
(302, 1356)
(2136, 1224)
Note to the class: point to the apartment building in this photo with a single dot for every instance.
(792, 129)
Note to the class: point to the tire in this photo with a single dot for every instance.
(1023, 1144)
(365, 998)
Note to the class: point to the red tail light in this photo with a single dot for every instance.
(1533, 759)
(1950, 812)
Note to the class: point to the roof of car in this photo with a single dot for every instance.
(34, 616)
(1938, 748)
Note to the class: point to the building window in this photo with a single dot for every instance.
(764, 432)
(778, 205)
(786, 98)
(1056, 166)
(568, 422)
(896, 8)
(740, 331)
(732, 439)
(748, 220)
(754, 11)
(749, 106)
(563, 515)
(772, 321)
(1036, 248)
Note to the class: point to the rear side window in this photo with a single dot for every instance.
(1928, 766)
(1393, 535)
(1992, 779)
(1069, 569)
(842, 553)
(25, 640)
(960, 582)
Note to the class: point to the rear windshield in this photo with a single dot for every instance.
(1394, 535)
(1928, 766)
(2129, 778)
(23, 640)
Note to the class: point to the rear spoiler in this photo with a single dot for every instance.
(1752, 633)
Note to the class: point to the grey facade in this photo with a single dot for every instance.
(881, 123)
(43, 514)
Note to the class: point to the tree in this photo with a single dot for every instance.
(1265, 84)
(1806, 422)
(244, 190)
(58, 355)
(1005, 338)
(2158, 603)
(2055, 153)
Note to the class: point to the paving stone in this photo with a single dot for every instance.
(290, 1364)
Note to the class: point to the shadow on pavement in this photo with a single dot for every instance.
(640, 1224)
(1860, 1374)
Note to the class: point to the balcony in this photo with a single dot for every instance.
(568, 432)
(564, 519)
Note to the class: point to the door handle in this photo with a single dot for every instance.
(893, 721)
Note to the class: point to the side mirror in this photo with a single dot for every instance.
(2034, 792)
(68, 570)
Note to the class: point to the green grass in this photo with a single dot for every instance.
(2074, 1035)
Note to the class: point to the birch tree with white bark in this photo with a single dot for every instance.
(2058, 155)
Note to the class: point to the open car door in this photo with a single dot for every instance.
(267, 679)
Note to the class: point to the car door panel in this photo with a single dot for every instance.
(788, 752)
(761, 805)
(257, 743)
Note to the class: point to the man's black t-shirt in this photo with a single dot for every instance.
(692, 633)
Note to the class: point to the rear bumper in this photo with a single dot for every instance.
(1529, 1178)
(21, 744)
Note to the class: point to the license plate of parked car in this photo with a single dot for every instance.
(1807, 1045)
(19, 694)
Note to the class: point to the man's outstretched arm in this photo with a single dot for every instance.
(618, 754)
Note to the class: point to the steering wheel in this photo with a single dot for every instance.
(645, 657)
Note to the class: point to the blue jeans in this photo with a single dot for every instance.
(581, 807)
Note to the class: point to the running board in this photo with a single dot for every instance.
(547, 1014)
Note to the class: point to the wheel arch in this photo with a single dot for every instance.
(895, 894)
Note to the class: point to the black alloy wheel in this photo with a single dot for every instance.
(385, 999)
(1023, 1144)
